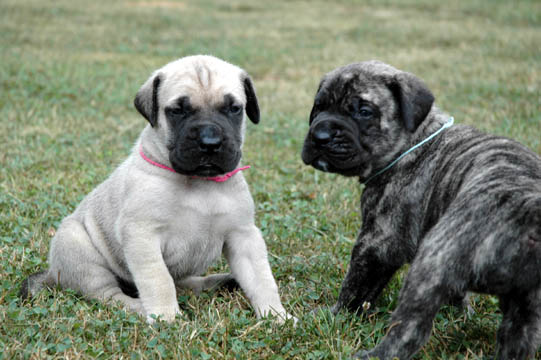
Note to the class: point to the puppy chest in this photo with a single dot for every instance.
(192, 246)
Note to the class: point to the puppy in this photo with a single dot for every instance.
(463, 207)
(174, 205)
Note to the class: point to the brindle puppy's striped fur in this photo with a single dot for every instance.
(464, 209)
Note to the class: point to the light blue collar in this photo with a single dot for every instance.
(448, 124)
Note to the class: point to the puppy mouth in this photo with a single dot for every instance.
(208, 170)
(324, 164)
(191, 163)
(333, 159)
(203, 170)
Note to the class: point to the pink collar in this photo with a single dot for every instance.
(221, 178)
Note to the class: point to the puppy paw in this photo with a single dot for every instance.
(322, 310)
(335, 309)
(167, 315)
(283, 318)
(364, 355)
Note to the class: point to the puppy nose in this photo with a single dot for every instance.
(210, 138)
(322, 134)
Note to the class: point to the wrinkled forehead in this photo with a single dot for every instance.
(373, 90)
(206, 85)
(368, 81)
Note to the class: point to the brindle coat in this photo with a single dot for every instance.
(464, 209)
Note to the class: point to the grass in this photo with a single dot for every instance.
(69, 71)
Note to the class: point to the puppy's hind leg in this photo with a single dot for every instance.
(420, 299)
(431, 281)
(202, 283)
(34, 283)
(462, 302)
(75, 263)
(520, 331)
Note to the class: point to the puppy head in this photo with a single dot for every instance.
(362, 118)
(196, 106)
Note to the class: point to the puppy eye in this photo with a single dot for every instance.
(235, 109)
(365, 112)
(178, 111)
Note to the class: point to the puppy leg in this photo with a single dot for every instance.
(201, 283)
(431, 281)
(370, 269)
(462, 301)
(76, 264)
(420, 299)
(143, 254)
(520, 331)
(246, 253)
(109, 291)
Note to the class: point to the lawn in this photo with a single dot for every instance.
(69, 70)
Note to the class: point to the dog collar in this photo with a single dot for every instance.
(220, 178)
(448, 124)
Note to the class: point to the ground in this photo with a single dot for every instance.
(69, 72)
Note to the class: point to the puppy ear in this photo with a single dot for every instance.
(413, 97)
(252, 107)
(146, 100)
(314, 108)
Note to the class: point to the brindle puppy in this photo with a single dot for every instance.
(464, 208)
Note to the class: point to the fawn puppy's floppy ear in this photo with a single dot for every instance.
(146, 100)
(252, 107)
(413, 98)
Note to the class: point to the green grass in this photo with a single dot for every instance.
(69, 71)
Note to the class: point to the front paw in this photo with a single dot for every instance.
(163, 314)
(365, 355)
(335, 309)
(283, 317)
(322, 311)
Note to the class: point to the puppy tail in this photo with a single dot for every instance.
(34, 283)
